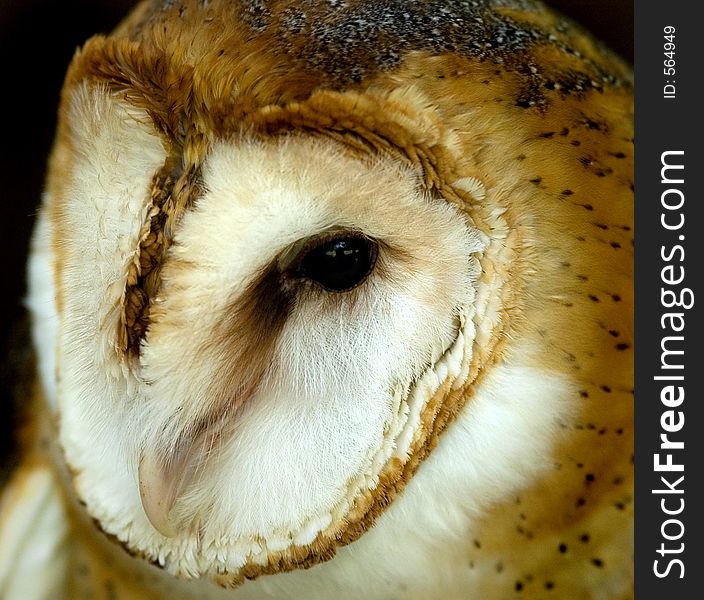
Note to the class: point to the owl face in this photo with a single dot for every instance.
(281, 251)
(319, 302)
(311, 304)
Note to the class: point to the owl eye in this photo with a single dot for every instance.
(339, 264)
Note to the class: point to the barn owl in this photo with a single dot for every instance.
(332, 299)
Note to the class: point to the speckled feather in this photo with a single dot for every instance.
(340, 44)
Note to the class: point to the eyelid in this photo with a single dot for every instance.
(291, 258)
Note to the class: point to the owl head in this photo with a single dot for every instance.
(265, 277)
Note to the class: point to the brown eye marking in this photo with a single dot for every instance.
(246, 337)
(337, 263)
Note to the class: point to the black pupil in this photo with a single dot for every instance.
(340, 263)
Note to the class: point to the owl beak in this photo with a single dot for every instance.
(163, 480)
(158, 490)
(164, 477)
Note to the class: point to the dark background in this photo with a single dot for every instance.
(37, 40)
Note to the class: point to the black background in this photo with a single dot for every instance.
(37, 40)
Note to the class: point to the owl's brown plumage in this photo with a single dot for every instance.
(499, 111)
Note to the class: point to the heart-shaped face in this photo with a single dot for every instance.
(260, 372)
(269, 273)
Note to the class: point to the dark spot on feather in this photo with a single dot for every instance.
(593, 124)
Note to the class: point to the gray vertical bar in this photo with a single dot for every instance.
(668, 128)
